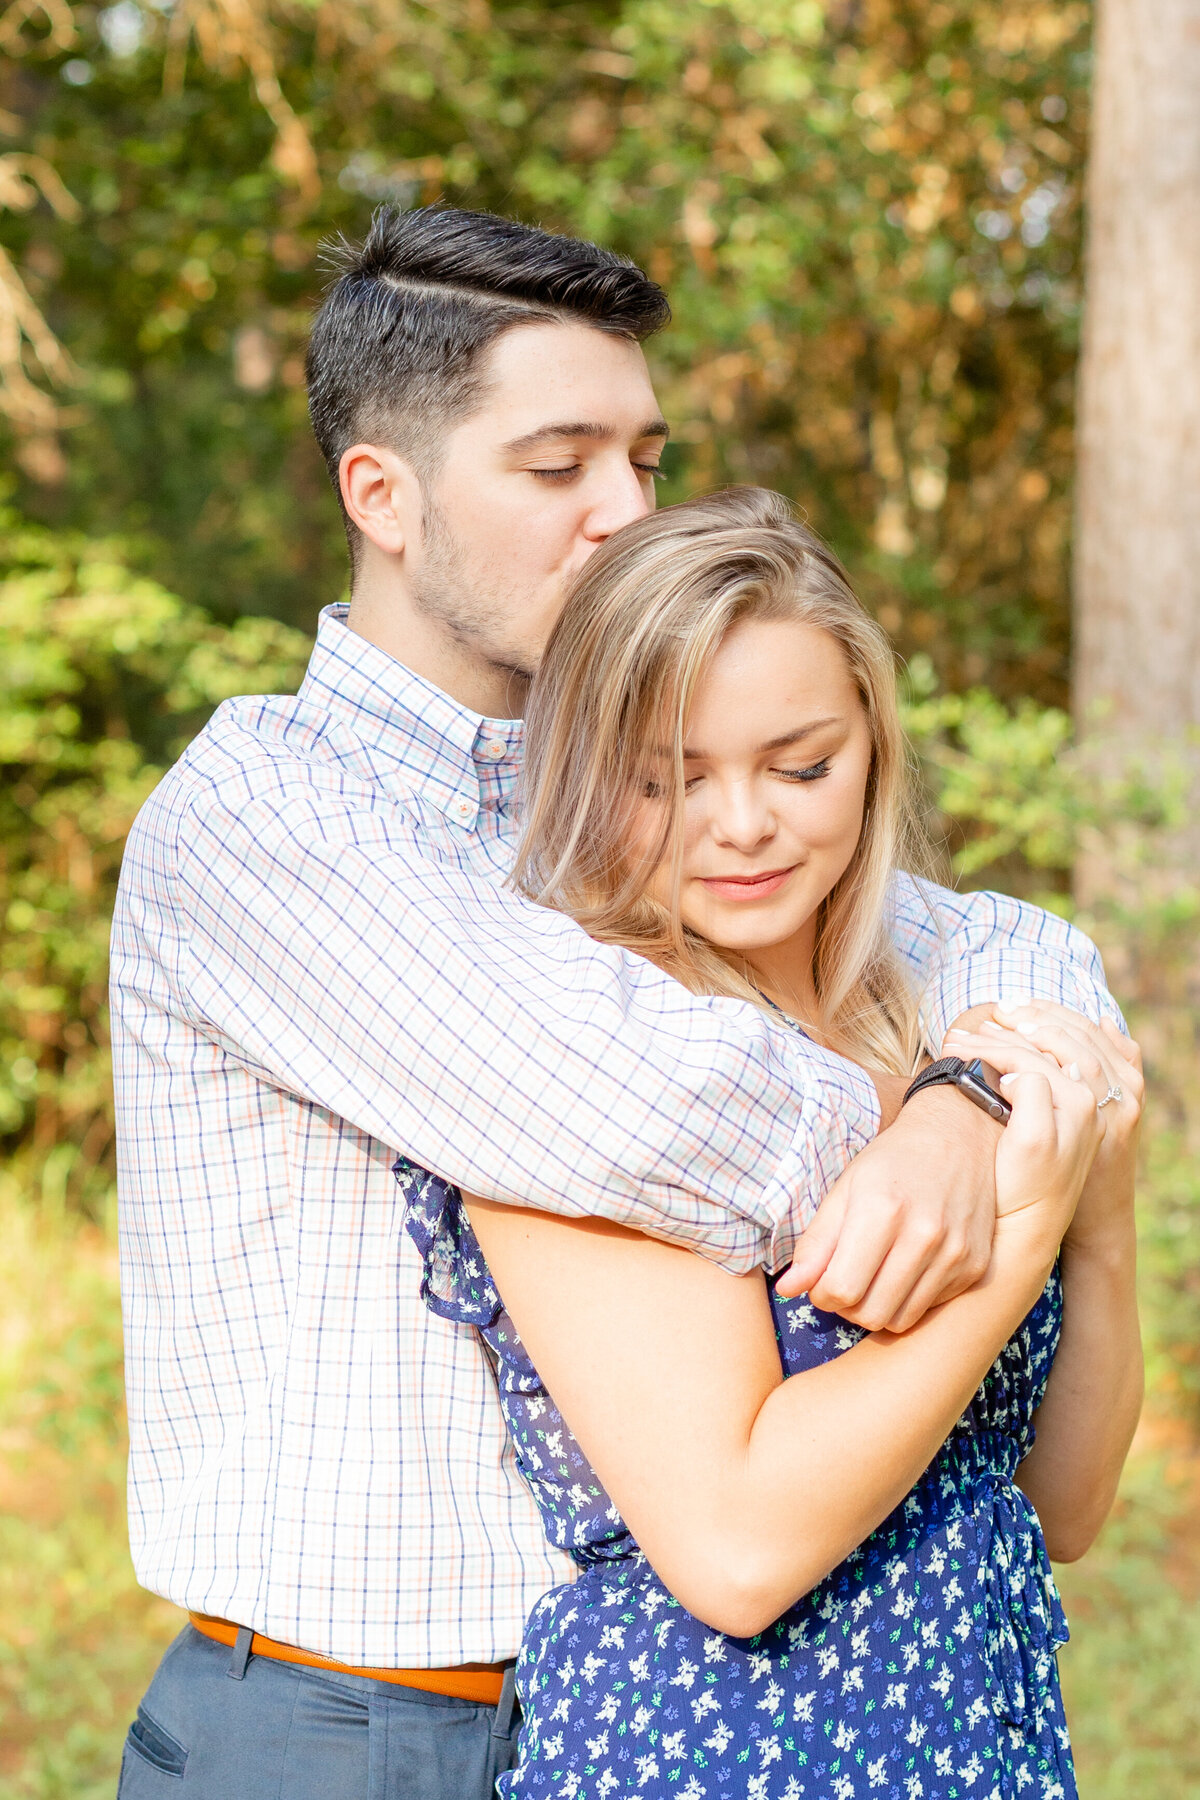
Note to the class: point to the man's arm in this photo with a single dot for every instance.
(969, 951)
(490, 1039)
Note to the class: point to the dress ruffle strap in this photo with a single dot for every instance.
(455, 1282)
(1025, 1619)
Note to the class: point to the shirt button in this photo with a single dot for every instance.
(464, 809)
(494, 749)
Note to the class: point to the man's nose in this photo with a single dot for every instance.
(620, 497)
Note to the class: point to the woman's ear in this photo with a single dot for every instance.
(382, 496)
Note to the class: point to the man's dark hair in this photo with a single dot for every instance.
(395, 352)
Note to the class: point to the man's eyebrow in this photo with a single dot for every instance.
(580, 428)
(778, 743)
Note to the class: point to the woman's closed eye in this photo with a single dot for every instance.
(814, 772)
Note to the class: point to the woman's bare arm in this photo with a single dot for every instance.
(745, 1489)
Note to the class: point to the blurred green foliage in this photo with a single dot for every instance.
(866, 211)
(104, 676)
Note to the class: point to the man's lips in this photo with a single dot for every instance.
(746, 887)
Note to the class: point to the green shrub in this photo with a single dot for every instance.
(103, 678)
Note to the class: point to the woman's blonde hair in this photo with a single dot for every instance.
(639, 628)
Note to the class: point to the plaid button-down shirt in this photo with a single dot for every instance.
(316, 965)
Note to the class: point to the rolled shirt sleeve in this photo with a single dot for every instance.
(973, 949)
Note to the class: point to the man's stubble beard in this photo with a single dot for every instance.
(446, 591)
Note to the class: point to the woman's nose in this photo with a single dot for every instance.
(741, 817)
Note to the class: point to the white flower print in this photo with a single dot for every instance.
(771, 1698)
(720, 1740)
(891, 1673)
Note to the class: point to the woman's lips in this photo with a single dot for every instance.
(747, 887)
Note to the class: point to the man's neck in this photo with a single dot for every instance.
(425, 646)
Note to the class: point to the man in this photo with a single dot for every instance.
(316, 965)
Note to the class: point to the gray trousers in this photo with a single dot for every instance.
(217, 1724)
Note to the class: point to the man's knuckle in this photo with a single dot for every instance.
(976, 1258)
(955, 1247)
(926, 1235)
(838, 1296)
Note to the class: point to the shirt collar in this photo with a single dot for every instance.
(457, 759)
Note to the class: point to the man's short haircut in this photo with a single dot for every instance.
(396, 352)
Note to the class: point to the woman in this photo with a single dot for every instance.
(806, 1568)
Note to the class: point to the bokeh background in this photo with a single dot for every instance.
(869, 215)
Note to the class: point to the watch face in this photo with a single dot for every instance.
(975, 1084)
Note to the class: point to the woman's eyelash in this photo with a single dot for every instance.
(814, 772)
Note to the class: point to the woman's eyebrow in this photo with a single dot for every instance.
(778, 743)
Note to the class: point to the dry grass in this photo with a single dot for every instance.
(78, 1638)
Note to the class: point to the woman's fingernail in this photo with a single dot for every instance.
(1028, 1029)
(1007, 1080)
(1075, 1072)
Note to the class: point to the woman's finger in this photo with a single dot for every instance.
(1102, 1039)
(1126, 1048)
(1008, 1054)
(1073, 1048)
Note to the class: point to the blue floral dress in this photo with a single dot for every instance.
(922, 1668)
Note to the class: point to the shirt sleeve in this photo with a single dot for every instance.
(493, 1042)
(970, 949)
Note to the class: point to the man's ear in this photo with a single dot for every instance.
(382, 495)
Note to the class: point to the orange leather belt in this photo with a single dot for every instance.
(480, 1682)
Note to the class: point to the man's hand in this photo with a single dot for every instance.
(909, 1223)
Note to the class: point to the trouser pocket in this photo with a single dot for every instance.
(148, 1741)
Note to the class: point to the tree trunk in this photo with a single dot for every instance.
(1137, 551)
(1137, 570)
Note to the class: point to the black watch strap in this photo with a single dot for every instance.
(970, 1078)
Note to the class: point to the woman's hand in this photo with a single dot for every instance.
(1109, 1065)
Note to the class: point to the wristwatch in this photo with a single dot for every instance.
(970, 1078)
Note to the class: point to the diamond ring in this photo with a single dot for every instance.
(1114, 1093)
